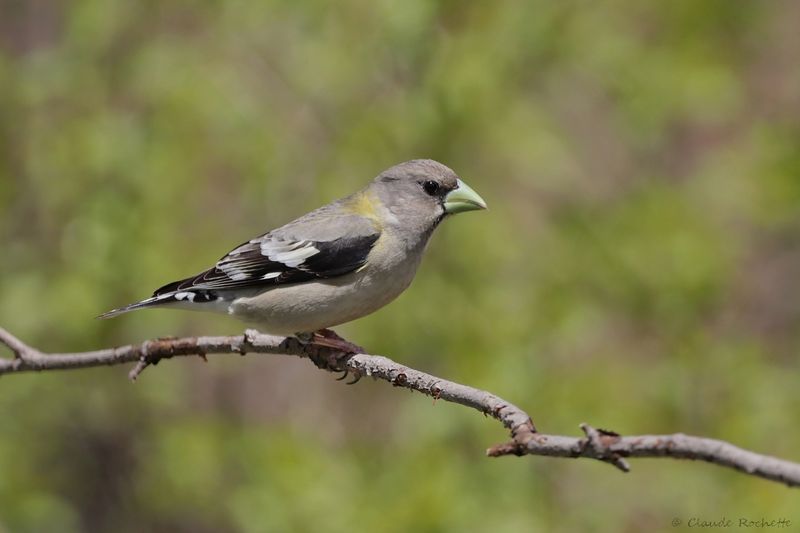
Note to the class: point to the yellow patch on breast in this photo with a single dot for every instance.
(365, 205)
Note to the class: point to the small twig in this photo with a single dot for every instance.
(141, 364)
(597, 444)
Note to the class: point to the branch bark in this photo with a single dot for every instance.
(597, 444)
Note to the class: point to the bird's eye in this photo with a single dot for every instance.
(430, 187)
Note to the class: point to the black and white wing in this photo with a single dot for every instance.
(276, 258)
(273, 261)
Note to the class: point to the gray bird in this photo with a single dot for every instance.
(335, 264)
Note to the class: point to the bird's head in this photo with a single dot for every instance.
(422, 192)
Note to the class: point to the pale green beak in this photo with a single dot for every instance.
(461, 199)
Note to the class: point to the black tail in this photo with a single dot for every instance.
(149, 302)
(187, 296)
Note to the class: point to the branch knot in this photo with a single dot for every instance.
(598, 445)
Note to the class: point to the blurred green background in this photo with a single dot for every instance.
(639, 267)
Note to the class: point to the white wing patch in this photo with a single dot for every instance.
(291, 254)
(183, 296)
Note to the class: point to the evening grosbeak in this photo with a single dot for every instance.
(335, 264)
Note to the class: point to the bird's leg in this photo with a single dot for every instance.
(320, 358)
(338, 351)
(304, 337)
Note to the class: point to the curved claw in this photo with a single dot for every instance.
(356, 379)
(344, 375)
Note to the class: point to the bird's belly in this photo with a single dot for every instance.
(310, 306)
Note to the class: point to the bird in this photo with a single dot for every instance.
(335, 264)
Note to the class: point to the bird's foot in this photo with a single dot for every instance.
(335, 354)
(330, 339)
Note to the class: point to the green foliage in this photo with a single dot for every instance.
(638, 268)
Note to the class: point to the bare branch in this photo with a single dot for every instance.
(597, 444)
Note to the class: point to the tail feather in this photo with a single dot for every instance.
(149, 302)
(187, 297)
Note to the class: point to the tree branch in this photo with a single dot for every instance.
(597, 444)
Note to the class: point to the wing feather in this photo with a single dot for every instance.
(277, 260)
